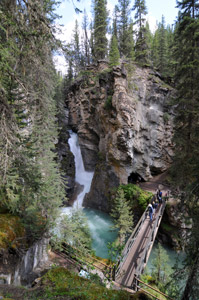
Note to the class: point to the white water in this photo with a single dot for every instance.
(82, 177)
(98, 222)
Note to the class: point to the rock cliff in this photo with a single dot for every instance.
(124, 123)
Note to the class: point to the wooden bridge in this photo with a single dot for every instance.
(134, 257)
(137, 250)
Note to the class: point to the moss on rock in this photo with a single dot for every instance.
(11, 231)
(66, 283)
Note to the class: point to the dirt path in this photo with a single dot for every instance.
(157, 182)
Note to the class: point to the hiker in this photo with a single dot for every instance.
(160, 197)
(153, 202)
(150, 209)
(167, 196)
(157, 194)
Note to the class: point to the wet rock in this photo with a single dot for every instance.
(128, 122)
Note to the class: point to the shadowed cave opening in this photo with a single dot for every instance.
(135, 178)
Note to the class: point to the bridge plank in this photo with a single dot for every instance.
(134, 259)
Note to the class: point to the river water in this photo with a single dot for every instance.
(100, 223)
(173, 256)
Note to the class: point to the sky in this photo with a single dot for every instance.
(66, 10)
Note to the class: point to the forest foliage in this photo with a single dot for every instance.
(31, 184)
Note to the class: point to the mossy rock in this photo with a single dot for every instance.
(11, 229)
(60, 281)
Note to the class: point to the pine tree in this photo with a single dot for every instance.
(100, 29)
(170, 50)
(122, 215)
(31, 184)
(186, 162)
(114, 54)
(187, 78)
(141, 46)
(92, 41)
(76, 49)
(160, 268)
(154, 48)
(162, 50)
(130, 45)
(162, 47)
(115, 22)
(125, 28)
(73, 229)
(86, 39)
(140, 13)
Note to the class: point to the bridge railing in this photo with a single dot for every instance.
(130, 242)
(145, 255)
(152, 288)
(132, 238)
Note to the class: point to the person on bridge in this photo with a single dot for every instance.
(150, 209)
(160, 197)
(154, 202)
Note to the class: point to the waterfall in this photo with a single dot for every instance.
(98, 222)
(82, 177)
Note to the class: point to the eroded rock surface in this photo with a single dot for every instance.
(124, 124)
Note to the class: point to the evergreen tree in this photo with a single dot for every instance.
(186, 162)
(86, 39)
(74, 230)
(76, 49)
(160, 267)
(141, 46)
(191, 268)
(100, 29)
(162, 50)
(162, 64)
(92, 41)
(30, 181)
(115, 23)
(122, 215)
(130, 45)
(125, 28)
(140, 13)
(187, 77)
(154, 48)
(169, 52)
(114, 54)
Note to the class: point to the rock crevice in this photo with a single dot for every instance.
(125, 126)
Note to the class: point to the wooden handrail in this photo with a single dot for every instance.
(151, 238)
(105, 265)
(131, 240)
(149, 293)
(153, 288)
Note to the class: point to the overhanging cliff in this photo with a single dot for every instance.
(125, 126)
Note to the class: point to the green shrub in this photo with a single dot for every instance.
(136, 195)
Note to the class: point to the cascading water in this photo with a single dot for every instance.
(99, 223)
(83, 177)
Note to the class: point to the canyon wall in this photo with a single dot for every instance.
(125, 126)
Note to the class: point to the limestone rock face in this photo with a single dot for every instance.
(124, 123)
